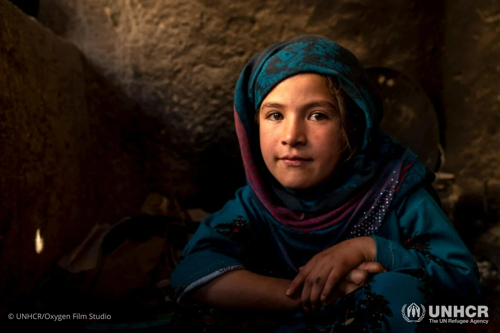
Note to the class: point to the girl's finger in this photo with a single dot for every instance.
(306, 295)
(346, 288)
(372, 267)
(335, 276)
(337, 292)
(318, 280)
(357, 276)
(296, 283)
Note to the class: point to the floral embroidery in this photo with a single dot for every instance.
(240, 231)
(420, 243)
(427, 281)
(366, 316)
(421, 274)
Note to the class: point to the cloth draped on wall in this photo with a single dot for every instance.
(381, 192)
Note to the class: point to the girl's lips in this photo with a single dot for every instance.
(295, 162)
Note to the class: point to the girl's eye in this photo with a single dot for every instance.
(275, 116)
(318, 116)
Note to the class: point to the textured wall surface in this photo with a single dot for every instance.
(180, 61)
(471, 100)
(68, 159)
(471, 72)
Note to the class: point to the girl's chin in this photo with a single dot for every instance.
(296, 184)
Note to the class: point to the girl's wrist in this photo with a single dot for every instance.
(367, 247)
(370, 249)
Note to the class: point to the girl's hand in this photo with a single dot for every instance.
(327, 268)
(355, 279)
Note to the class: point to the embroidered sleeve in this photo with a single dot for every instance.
(424, 238)
(422, 244)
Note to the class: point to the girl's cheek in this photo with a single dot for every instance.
(327, 137)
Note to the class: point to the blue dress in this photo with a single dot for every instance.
(426, 261)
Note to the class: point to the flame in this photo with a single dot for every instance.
(38, 242)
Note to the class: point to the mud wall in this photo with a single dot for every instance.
(69, 158)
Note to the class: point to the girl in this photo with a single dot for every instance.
(337, 229)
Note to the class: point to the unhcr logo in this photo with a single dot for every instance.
(413, 313)
(451, 314)
(458, 314)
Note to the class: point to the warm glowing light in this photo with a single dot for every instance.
(38, 242)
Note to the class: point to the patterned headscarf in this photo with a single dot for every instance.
(379, 173)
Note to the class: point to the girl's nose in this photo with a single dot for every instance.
(294, 133)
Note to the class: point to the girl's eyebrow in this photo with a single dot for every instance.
(272, 106)
(315, 104)
(310, 105)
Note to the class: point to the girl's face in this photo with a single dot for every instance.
(299, 125)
